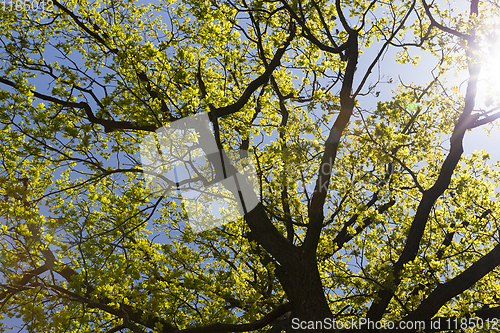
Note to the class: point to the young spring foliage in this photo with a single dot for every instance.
(367, 208)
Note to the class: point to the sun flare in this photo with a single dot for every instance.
(489, 80)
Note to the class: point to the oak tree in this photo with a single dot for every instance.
(367, 209)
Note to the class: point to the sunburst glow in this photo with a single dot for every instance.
(489, 84)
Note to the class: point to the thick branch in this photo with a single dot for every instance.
(258, 324)
(264, 232)
(84, 27)
(132, 314)
(440, 26)
(430, 196)
(445, 292)
(341, 16)
(344, 237)
(310, 37)
(259, 81)
(316, 215)
(109, 125)
(486, 120)
(25, 279)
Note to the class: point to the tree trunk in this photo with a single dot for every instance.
(302, 284)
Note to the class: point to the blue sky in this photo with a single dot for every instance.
(474, 140)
